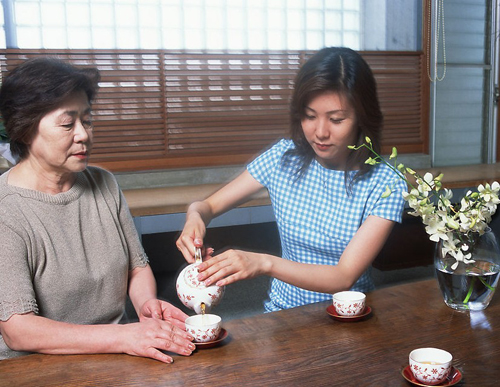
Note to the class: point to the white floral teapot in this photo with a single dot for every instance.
(195, 294)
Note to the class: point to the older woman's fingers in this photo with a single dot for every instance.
(175, 340)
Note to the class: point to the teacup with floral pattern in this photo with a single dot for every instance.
(430, 366)
(204, 327)
(349, 303)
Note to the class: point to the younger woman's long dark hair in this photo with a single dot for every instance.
(344, 71)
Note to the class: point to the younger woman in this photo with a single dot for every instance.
(331, 217)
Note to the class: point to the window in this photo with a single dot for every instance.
(207, 82)
(213, 24)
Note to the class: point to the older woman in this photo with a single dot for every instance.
(70, 251)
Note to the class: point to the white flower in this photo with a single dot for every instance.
(437, 230)
(454, 224)
(489, 193)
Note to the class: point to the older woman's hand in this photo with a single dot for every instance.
(162, 310)
(150, 337)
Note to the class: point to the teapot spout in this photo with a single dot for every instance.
(202, 308)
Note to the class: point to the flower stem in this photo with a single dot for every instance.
(469, 293)
(492, 288)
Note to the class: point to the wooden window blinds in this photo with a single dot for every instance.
(160, 109)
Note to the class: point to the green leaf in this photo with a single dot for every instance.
(387, 192)
(370, 161)
(394, 153)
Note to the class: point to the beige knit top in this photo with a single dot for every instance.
(67, 256)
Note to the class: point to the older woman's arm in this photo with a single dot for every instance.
(32, 333)
(142, 292)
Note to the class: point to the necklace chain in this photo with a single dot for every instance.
(439, 25)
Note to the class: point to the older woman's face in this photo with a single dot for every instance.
(63, 141)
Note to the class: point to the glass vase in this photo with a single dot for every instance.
(470, 286)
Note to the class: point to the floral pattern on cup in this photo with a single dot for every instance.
(430, 366)
(349, 303)
(204, 328)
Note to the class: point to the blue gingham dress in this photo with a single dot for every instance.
(317, 218)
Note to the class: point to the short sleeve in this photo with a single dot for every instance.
(390, 207)
(263, 166)
(17, 295)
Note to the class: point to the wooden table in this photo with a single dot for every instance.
(302, 346)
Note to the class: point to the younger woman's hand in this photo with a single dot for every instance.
(191, 239)
(231, 266)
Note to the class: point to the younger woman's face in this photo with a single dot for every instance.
(329, 125)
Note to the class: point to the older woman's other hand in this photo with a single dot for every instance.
(150, 337)
(158, 309)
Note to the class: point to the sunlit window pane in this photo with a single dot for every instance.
(350, 5)
(171, 17)
(194, 39)
(257, 18)
(257, 40)
(295, 40)
(103, 37)
(78, 15)
(333, 38)
(235, 18)
(236, 40)
(101, 15)
(149, 38)
(214, 17)
(314, 19)
(276, 40)
(53, 14)
(314, 40)
(126, 16)
(276, 19)
(351, 39)
(351, 21)
(196, 24)
(295, 19)
(126, 38)
(79, 38)
(215, 40)
(172, 39)
(2, 36)
(333, 20)
(27, 13)
(149, 17)
(29, 37)
(193, 18)
(53, 37)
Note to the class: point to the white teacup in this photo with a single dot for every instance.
(204, 327)
(430, 366)
(349, 303)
